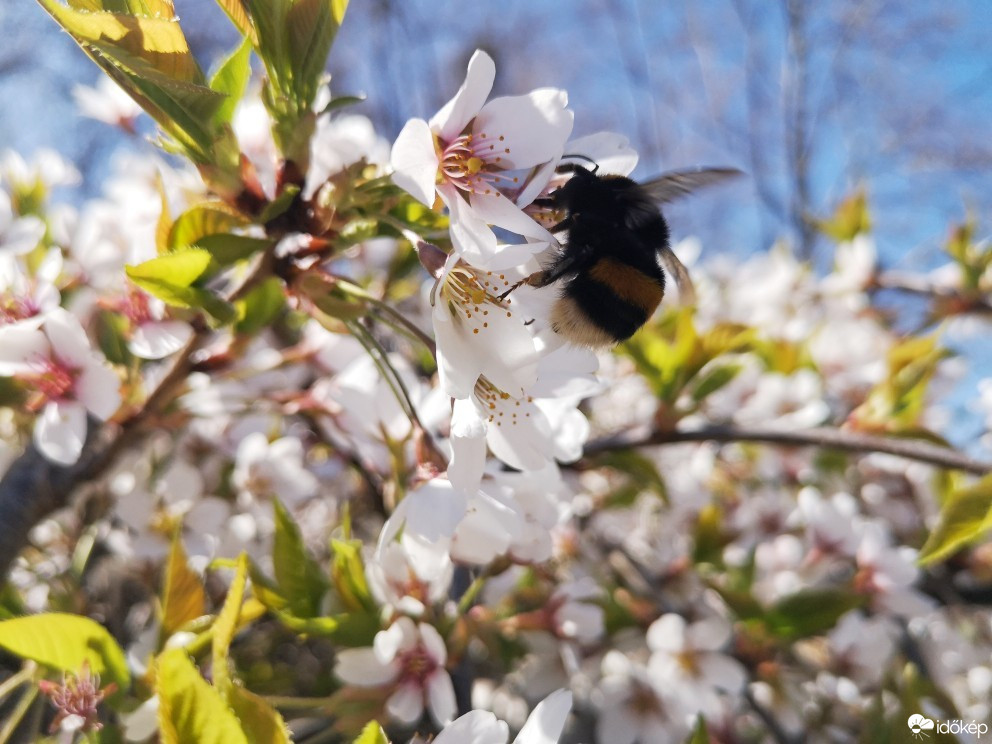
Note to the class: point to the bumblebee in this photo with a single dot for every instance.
(617, 241)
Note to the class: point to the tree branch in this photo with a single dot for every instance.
(955, 300)
(824, 437)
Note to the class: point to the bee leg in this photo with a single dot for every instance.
(565, 224)
(534, 280)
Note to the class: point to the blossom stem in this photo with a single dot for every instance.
(11, 683)
(825, 437)
(17, 715)
(382, 363)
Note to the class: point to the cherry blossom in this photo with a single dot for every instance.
(468, 151)
(408, 660)
(67, 379)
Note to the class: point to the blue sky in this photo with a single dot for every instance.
(899, 98)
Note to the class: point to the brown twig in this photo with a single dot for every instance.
(824, 437)
(950, 297)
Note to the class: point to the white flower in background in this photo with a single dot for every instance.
(46, 169)
(862, 647)
(830, 523)
(543, 726)
(410, 574)
(107, 102)
(687, 657)
(339, 141)
(67, 377)
(465, 155)
(24, 295)
(18, 235)
(478, 333)
(632, 708)
(887, 574)
(543, 501)
(409, 661)
(152, 334)
(787, 401)
(574, 614)
(264, 469)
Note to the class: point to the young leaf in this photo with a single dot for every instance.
(810, 611)
(183, 595)
(227, 249)
(260, 721)
(171, 278)
(231, 79)
(964, 516)
(189, 708)
(699, 734)
(348, 575)
(372, 734)
(297, 575)
(227, 624)
(209, 218)
(64, 642)
(260, 307)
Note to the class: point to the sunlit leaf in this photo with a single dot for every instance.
(372, 734)
(226, 625)
(190, 710)
(261, 722)
(965, 516)
(64, 642)
(231, 79)
(183, 596)
(298, 577)
(200, 220)
(261, 306)
(348, 574)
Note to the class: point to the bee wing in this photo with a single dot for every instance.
(676, 184)
(677, 270)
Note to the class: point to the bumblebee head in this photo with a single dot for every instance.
(586, 192)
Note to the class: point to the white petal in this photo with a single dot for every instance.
(468, 447)
(708, 634)
(414, 161)
(471, 236)
(475, 727)
(98, 388)
(667, 633)
(458, 112)
(441, 697)
(157, 340)
(433, 510)
(500, 211)
(545, 723)
(23, 236)
(510, 256)
(20, 345)
(722, 671)
(60, 431)
(406, 705)
(535, 126)
(433, 643)
(359, 666)
(68, 339)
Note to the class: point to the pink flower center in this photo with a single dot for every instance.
(53, 379)
(13, 309)
(134, 306)
(473, 163)
(417, 665)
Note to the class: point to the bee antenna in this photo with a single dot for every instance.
(582, 157)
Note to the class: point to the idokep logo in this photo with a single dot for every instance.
(920, 725)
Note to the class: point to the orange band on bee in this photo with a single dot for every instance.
(628, 283)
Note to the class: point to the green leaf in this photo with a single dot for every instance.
(171, 278)
(260, 721)
(209, 218)
(279, 205)
(714, 379)
(298, 577)
(699, 734)
(227, 249)
(231, 79)
(340, 102)
(260, 306)
(850, 219)
(811, 611)
(111, 334)
(311, 27)
(190, 710)
(372, 734)
(235, 10)
(183, 596)
(348, 575)
(226, 625)
(965, 516)
(351, 629)
(64, 642)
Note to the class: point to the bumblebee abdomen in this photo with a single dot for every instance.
(606, 304)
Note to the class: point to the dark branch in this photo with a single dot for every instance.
(827, 438)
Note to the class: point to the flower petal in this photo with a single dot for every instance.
(502, 212)
(441, 697)
(545, 723)
(535, 127)
(406, 705)
(60, 431)
(468, 447)
(98, 388)
(68, 339)
(477, 727)
(157, 340)
(458, 112)
(414, 161)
